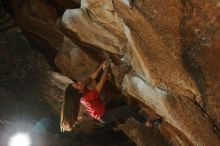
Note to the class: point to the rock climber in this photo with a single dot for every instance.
(77, 92)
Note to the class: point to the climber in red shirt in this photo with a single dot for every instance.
(78, 92)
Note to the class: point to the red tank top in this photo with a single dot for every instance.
(93, 104)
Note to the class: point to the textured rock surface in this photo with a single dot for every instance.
(165, 54)
(169, 60)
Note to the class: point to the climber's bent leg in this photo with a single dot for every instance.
(121, 112)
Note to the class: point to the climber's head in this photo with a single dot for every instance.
(79, 86)
(70, 109)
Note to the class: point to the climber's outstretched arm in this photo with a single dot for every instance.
(97, 71)
(101, 83)
(93, 76)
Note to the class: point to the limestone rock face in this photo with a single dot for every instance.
(165, 55)
(168, 46)
(96, 23)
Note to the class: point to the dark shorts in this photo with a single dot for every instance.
(121, 112)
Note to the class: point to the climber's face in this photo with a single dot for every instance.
(78, 85)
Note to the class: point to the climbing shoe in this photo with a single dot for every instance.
(153, 123)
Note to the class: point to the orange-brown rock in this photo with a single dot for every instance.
(165, 54)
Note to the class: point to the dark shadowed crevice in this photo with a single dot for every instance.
(43, 47)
